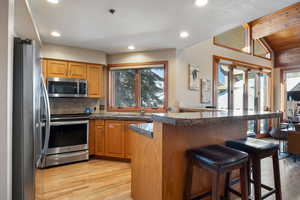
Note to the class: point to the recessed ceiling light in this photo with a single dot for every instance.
(201, 3)
(131, 47)
(55, 34)
(53, 1)
(184, 34)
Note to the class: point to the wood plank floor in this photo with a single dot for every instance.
(109, 180)
(93, 180)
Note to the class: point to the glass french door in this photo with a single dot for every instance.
(264, 101)
(223, 87)
(240, 88)
(252, 100)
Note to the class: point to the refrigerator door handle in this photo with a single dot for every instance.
(47, 123)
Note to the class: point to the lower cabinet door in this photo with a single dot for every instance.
(92, 137)
(99, 140)
(115, 138)
(128, 133)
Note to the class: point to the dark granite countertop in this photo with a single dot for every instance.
(187, 118)
(144, 129)
(196, 118)
(122, 116)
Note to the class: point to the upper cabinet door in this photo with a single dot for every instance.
(95, 81)
(57, 68)
(44, 69)
(77, 70)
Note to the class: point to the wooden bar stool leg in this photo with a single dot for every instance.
(249, 176)
(244, 181)
(257, 178)
(215, 186)
(189, 179)
(277, 176)
(227, 185)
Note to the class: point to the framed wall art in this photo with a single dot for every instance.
(206, 90)
(194, 77)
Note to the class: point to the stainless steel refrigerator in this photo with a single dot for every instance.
(31, 118)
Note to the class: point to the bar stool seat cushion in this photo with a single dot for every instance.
(252, 145)
(219, 157)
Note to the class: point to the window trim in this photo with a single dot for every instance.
(263, 43)
(247, 38)
(137, 90)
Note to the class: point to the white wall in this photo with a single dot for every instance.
(6, 44)
(24, 25)
(73, 53)
(201, 54)
(151, 56)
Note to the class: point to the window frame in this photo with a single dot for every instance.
(247, 41)
(263, 43)
(138, 107)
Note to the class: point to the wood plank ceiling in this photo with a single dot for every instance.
(281, 30)
(285, 39)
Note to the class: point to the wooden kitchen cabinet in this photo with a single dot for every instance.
(92, 137)
(57, 68)
(95, 80)
(99, 140)
(115, 138)
(44, 69)
(111, 138)
(77, 70)
(128, 133)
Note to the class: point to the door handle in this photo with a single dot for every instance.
(47, 122)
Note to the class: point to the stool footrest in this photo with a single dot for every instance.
(202, 196)
(264, 186)
(233, 191)
(268, 194)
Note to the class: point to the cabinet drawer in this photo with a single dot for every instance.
(99, 122)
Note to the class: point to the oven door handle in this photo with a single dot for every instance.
(47, 123)
(64, 123)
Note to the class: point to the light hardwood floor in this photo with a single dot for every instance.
(110, 180)
(93, 180)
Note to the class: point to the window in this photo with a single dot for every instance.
(241, 86)
(124, 88)
(291, 91)
(138, 86)
(260, 49)
(292, 86)
(235, 39)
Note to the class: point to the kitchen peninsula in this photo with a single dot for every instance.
(159, 155)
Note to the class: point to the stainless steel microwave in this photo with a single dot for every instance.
(67, 87)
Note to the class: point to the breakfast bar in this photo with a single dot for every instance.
(159, 155)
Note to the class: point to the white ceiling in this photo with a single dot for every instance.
(147, 24)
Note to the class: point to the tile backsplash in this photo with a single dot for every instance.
(74, 105)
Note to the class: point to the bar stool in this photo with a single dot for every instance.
(258, 150)
(218, 160)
